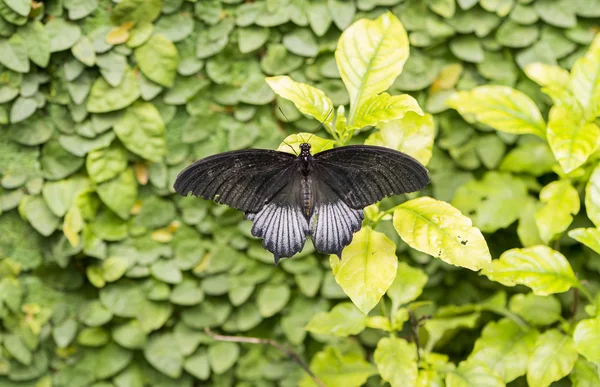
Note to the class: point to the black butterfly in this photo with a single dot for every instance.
(289, 197)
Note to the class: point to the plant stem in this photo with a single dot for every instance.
(586, 293)
(256, 340)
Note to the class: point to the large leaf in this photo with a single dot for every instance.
(500, 107)
(343, 320)
(407, 286)
(552, 359)
(291, 144)
(370, 56)
(309, 100)
(471, 374)
(504, 347)
(571, 139)
(548, 75)
(587, 339)
(561, 202)
(367, 268)
(142, 131)
(438, 229)
(588, 236)
(592, 196)
(383, 108)
(544, 270)
(396, 361)
(585, 83)
(412, 134)
(339, 369)
(585, 374)
(120, 193)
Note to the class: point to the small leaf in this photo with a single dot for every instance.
(383, 108)
(343, 320)
(407, 286)
(120, 193)
(309, 100)
(105, 98)
(370, 55)
(592, 196)
(537, 310)
(396, 361)
(222, 356)
(585, 83)
(63, 35)
(544, 270)
(13, 54)
(367, 268)
(587, 338)
(142, 131)
(470, 374)
(588, 236)
(500, 107)
(504, 347)
(106, 164)
(272, 298)
(158, 59)
(561, 202)
(37, 42)
(572, 139)
(291, 144)
(162, 352)
(335, 368)
(436, 228)
(552, 359)
(136, 11)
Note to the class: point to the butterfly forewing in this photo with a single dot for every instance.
(362, 175)
(245, 179)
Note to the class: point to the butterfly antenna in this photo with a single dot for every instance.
(293, 150)
(322, 122)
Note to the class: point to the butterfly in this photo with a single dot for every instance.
(290, 197)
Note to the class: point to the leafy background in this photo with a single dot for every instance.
(109, 279)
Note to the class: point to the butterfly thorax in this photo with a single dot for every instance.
(305, 159)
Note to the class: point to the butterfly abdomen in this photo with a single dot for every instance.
(307, 195)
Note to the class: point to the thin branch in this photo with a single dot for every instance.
(256, 340)
(575, 304)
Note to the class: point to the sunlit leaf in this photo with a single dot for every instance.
(587, 338)
(561, 202)
(548, 75)
(383, 108)
(537, 310)
(142, 131)
(585, 374)
(407, 286)
(367, 268)
(472, 374)
(438, 229)
(339, 369)
(396, 361)
(543, 269)
(552, 359)
(343, 320)
(585, 82)
(158, 60)
(592, 196)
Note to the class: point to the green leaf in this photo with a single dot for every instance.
(198, 365)
(158, 60)
(37, 42)
(588, 236)
(309, 100)
(272, 298)
(142, 131)
(15, 346)
(572, 140)
(64, 333)
(130, 335)
(105, 98)
(548, 75)
(22, 109)
(585, 374)
(291, 144)
(558, 13)
(335, 368)
(78, 9)
(536, 310)
(504, 347)
(413, 134)
(367, 268)
(544, 270)
(552, 359)
(166, 271)
(63, 35)
(252, 38)
(383, 108)
(503, 108)
(136, 11)
(59, 195)
(343, 320)
(162, 352)
(301, 42)
(587, 338)
(120, 193)
(469, 374)
(407, 286)
(436, 228)
(370, 56)
(561, 201)
(39, 215)
(222, 356)
(531, 157)
(13, 54)
(592, 196)
(106, 164)
(467, 48)
(396, 361)
(585, 83)
(22, 7)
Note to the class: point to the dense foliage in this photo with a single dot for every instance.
(109, 279)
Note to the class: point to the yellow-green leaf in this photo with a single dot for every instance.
(585, 374)
(587, 339)
(544, 270)
(383, 108)
(471, 374)
(396, 361)
(367, 268)
(413, 134)
(548, 75)
(588, 236)
(592, 196)
(500, 107)
(571, 139)
(309, 100)
(561, 202)
(291, 144)
(337, 368)
(407, 286)
(343, 320)
(585, 83)
(370, 56)
(504, 347)
(552, 359)
(436, 228)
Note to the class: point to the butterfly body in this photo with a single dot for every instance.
(290, 198)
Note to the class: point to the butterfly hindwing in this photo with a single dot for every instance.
(362, 175)
(281, 222)
(244, 179)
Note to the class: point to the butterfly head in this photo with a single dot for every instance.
(304, 150)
